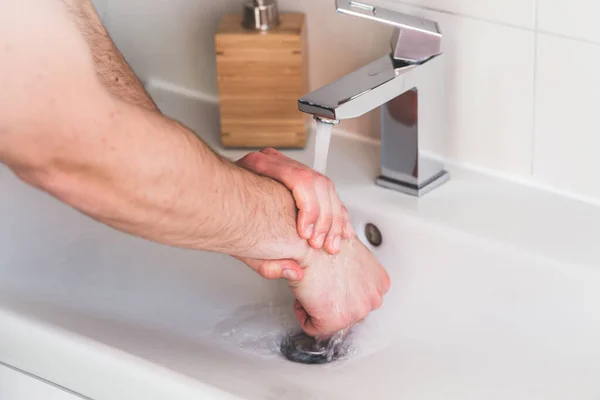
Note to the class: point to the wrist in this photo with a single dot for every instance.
(273, 214)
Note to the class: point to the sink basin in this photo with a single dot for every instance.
(467, 318)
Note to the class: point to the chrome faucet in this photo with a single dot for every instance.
(408, 85)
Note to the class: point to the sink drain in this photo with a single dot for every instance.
(373, 235)
(301, 348)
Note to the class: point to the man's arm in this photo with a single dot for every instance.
(123, 165)
(322, 218)
(131, 168)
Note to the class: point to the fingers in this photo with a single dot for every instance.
(254, 162)
(276, 269)
(308, 204)
(312, 206)
(272, 152)
(323, 225)
(301, 182)
(386, 282)
(376, 301)
(383, 286)
(322, 218)
(348, 231)
(298, 178)
(333, 243)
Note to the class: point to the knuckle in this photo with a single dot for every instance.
(347, 224)
(377, 301)
(344, 211)
(267, 272)
(269, 151)
(339, 220)
(387, 282)
(244, 160)
(313, 214)
(362, 312)
(261, 164)
(326, 220)
(310, 211)
(335, 229)
(308, 205)
(329, 184)
(253, 156)
(321, 180)
(252, 159)
(305, 175)
(302, 176)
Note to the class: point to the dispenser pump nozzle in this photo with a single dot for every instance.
(261, 15)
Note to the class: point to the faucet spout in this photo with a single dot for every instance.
(410, 94)
(360, 91)
(352, 95)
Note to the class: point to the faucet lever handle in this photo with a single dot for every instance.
(415, 39)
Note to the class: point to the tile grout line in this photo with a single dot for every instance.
(535, 73)
(568, 37)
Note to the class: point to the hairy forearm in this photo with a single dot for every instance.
(122, 164)
(149, 176)
(111, 67)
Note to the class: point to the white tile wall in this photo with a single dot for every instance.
(170, 39)
(567, 124)
(502, 93)
(574, 18)
(489, 93)
(513, 12)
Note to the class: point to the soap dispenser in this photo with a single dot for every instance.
(262, 71)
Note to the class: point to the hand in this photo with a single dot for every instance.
(276, 269)
(339, 291)
(322, 218)
(333, 292)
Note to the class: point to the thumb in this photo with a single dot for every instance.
(305, 320)
(276, 269)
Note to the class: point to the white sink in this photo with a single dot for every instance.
(513, 314)
(465, 318)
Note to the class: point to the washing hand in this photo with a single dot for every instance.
(335, 288)
(322, 218)
(109, 152)
(339, 291)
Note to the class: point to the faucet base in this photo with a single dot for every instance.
(411, 189)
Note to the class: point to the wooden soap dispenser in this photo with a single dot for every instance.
(262, 72)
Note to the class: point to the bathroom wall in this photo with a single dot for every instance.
(521, 86)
